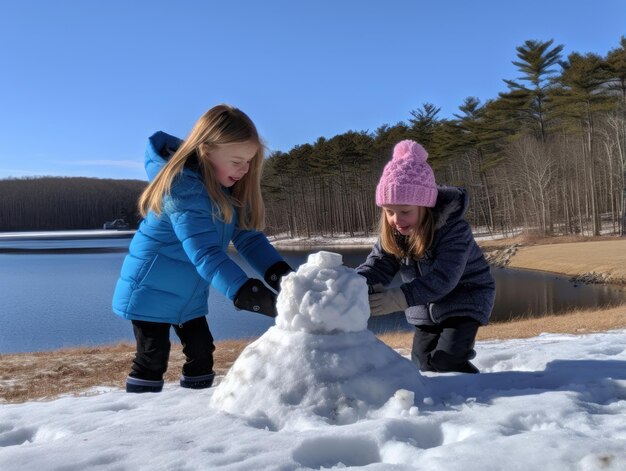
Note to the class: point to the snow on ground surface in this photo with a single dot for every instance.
(86, 234)
(283, 241)
(318, 391)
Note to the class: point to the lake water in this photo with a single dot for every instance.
(57, 293)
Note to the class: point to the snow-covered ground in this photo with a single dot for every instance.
(85, 234)
(319, 391)
(345, 240)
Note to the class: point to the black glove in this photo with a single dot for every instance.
(275, 273)
(256, 297)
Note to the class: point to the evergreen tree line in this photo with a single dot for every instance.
(547, 155)
(53, 203)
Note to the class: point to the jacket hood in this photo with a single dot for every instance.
(161, 146)
(159, 149)
(452, 203)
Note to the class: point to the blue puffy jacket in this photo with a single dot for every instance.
(451, 279)
(174, 258)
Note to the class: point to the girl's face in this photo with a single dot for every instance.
(231, 162)
(404, 218)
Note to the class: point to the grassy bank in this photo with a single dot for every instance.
(45, 375)
(572, 256)
(41, 376)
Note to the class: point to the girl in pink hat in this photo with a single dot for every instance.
(447, 290)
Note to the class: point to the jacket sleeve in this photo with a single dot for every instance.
(379, 267)
(191, 213)
(256, 250)
(450, 258)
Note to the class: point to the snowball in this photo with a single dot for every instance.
(399, 405)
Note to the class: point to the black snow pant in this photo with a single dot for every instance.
(153, 349)
(447, 346)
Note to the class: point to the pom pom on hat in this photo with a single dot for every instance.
(408, 149)
(407, 178)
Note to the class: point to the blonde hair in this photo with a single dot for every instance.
(222, 124)
(417, 243)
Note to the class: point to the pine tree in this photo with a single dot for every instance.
(423, 124)
(578, 100)
(536, 62)
(616, 61)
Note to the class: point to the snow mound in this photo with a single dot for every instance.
(320, 364)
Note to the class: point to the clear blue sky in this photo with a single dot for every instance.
(83, 83)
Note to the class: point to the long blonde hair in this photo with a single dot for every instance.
(222, 124)
(416, 244)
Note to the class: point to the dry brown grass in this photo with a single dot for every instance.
(46, 375)
(574, 322)
(575, 258)
(535, 239)
(567, 255)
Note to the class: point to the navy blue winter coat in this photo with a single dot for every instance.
(174, 258)
(451, 279)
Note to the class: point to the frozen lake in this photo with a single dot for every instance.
(57, 292)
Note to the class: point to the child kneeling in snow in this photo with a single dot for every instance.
(448, 290)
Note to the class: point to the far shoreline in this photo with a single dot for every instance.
(500, 251)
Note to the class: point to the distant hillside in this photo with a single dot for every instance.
(61, 203)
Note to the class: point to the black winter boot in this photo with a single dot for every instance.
(467, 367)
(197, 382)
(136, 385)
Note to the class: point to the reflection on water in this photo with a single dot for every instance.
(525, 293)
(59, 295)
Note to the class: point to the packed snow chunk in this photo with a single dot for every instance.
(320, 365)
(325, 259)
(323, 296)
(400, 405)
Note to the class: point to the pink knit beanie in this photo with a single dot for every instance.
(407, 178)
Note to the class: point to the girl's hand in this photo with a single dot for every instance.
(387, 301)
(377, 288)
(275, 273)
(256, 297)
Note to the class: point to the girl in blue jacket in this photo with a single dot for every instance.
(447, 290)
(204, 192)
